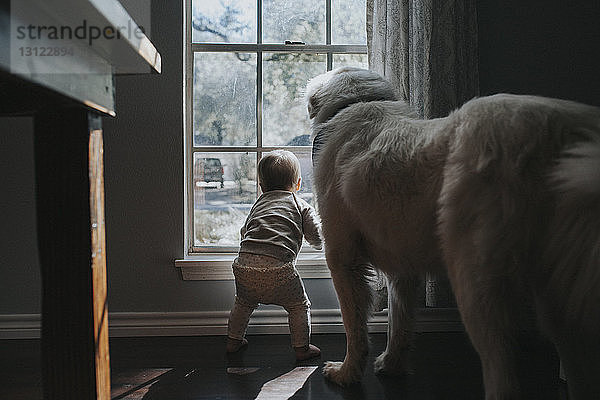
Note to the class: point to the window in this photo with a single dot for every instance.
(247, 64)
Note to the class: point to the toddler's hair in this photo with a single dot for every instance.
(278, 170)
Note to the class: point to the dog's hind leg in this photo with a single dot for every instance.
(486, 305)
(488, 300)
(581, 363)
(401, 306)
(349, 274)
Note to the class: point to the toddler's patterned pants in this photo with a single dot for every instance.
(265, 280)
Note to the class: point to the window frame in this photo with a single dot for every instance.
(215, 255)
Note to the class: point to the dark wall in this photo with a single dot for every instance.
(20, 278)
(143, 150)
(549, 48)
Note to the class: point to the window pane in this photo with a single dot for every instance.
(224, 190)
(224, 99)
(230, 21)
(306, 189)
(348, 20)
(285, 119)
(292, 20)
(350, 60)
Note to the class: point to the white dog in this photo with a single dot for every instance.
(504, 193)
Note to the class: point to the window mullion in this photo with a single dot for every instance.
(188, 127)
(259, 87)
(279, 48)
(259, 21)
(259, 98)
(328, 33)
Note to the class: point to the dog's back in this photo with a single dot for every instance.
(521, 195)
(535, 162)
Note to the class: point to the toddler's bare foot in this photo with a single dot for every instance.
(306, 352)
(234, 345)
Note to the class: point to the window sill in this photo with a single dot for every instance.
(217, 266)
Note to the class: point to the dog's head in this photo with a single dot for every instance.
(328, 93)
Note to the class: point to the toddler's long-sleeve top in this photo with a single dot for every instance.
(276, 225)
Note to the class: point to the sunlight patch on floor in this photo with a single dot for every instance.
(284, 386)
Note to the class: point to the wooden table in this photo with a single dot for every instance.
(67, 95)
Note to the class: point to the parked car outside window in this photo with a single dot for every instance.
(209, 170)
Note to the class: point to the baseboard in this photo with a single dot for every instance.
(20, 326)
(27, 326)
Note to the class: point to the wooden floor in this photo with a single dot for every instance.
(181, 368)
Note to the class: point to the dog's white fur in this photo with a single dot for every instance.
(504, 193)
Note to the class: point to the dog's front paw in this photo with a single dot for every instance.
(386, 364)
(340, 373)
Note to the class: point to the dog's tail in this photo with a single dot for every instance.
(573, 250)
(578, 171)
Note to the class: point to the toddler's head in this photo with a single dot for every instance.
(279, 170)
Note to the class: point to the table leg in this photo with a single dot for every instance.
(71, 246)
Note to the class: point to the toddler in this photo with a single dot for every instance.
(265, 269)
